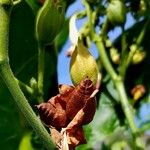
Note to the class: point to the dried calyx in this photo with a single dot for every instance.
(67, 112)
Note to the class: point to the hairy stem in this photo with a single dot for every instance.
(23, 104)
(8, 77)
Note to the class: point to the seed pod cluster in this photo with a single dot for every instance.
(49, 21)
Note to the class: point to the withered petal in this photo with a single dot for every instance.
(75, 136)
(53, 113)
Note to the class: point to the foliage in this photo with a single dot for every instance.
(123, 79)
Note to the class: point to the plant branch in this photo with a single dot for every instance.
(118, 82)
(90, 17)
(25, 87)
(142, 34)
(8, 77)
(129, 114)
(104, 58)
(23, 105)
(127, 60)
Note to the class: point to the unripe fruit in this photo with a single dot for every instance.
(49, 21)
(116, 12)
(83, 65)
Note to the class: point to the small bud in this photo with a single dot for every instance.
(114, 55)
(49, 21)
(116, 12)
(108, 43)
(138, 91)
(133, 47)
(138, 57)
(33, 83)
(83, 65)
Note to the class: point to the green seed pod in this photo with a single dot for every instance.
(116, 12)
(83, 65)
(49, 21)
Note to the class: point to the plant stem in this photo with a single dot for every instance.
(129, 113)
(142, 34)
(104, 58)
(90, 18)
(23, 104)
(41, 56)
(24, 87)
(8, 77)
(128, 57)
(121, 91)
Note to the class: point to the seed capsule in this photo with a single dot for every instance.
(83, 65)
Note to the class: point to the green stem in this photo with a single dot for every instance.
(104, 58)
(129, 113)
(142, 34)
(114, 76)
(23, 104)
(24, 87)
(90, 17)
(121, 90)
(8, 77)
(127, 60)
(104, 29)
(41, 56)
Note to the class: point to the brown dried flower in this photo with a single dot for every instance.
(68, 111)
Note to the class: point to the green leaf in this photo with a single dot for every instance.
(105, 120)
